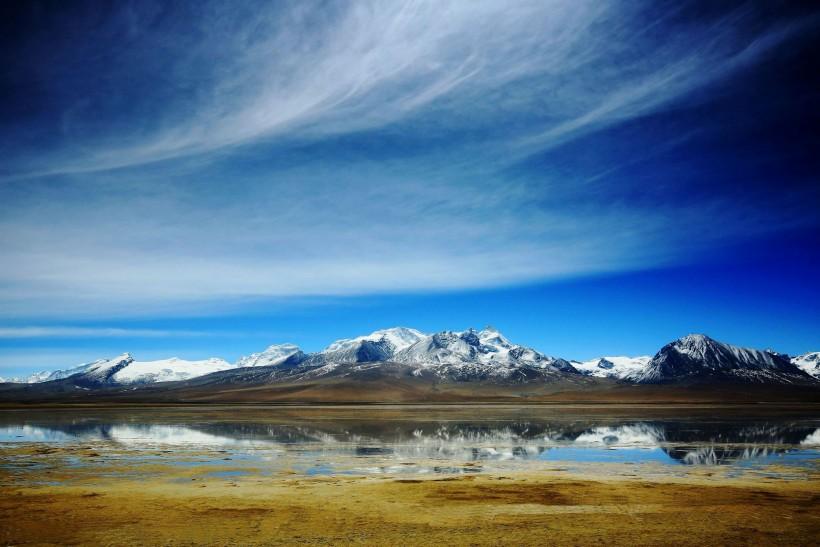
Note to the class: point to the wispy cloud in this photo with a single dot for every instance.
(92, 332)
(307, 71)
(353, 148)
(299, 239)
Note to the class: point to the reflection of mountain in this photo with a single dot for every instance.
(685, 442)
(717, 455)
(714, 444)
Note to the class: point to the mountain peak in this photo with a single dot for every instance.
(694, 344)
(697, 357)
(694, 339)
(398, 337)
(102, 370)
(461, 356)
(808, 363)
(287, 346)
(480, 354)
(273, 355)
(165, 370)
(618, 367)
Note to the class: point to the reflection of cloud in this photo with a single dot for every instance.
(170, 435)
(453, 442)
(813, 439)
(27, 433)
(640, 436)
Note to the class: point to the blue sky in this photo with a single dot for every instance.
(208, 178)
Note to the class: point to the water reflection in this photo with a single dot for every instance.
(480, 440)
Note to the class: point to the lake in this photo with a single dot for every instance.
(232, 442)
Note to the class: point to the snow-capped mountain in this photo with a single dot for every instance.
(402, 353)
(42, 376)
(618, 367)
(698, 357)
(485, 355)
(48, 376)
(124, 370)
(30, 379)
(167, 370)
(808, 363)
(100, 372)
(480, 354)
(380, 345)
(276, 354)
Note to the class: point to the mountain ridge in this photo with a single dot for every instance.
(471, 355)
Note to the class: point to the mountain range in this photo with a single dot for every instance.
(406, 358)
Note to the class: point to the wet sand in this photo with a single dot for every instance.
(119, 501)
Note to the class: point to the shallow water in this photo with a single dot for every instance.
(238, 442)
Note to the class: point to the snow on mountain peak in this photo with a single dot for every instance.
(484, 353)
(167, 370)
(490, 336)
(273, 355)
(398, 337)
(104, 368)
(698, 356)
(462, 355)
(694, 343)
(618, 367)
(123, 369)
(808, 363)
(34, 378)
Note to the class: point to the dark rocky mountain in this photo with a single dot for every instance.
(698, 358)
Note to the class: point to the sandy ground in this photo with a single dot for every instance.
(45, 501)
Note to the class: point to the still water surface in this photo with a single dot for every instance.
(233, 442)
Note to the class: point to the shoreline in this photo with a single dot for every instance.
(410, 474)
(511, 507)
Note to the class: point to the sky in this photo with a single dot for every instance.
(207, 178)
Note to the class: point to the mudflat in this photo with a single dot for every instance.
(518, 508)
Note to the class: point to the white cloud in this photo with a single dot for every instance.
(90, 332)
(133, 253)
(515, 78)
(566, 66)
